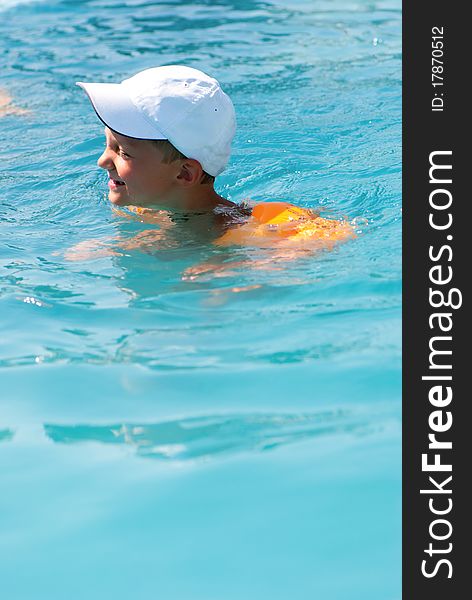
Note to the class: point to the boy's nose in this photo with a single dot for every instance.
(105, 161)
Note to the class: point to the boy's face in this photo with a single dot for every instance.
(136, 172)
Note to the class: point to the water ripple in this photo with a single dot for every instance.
(212, 436)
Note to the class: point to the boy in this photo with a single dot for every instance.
(168, 136)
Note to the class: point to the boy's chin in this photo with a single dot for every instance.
(118, 199)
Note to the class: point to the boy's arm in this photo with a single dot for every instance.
(277, 259)
(113, 246)
(116, 245)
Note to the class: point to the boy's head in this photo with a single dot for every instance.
(168, 129)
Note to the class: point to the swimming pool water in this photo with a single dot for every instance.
(233, 435)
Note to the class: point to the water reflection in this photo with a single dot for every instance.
(209, 436)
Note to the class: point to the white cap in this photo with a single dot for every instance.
(175, 103)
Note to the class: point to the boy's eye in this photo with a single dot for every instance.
(123, 153)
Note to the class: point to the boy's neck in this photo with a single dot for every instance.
(202, 200)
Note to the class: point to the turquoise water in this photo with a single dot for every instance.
(230, 436)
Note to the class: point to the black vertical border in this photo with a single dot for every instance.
(425, 131)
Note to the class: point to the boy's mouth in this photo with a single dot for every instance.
(115, 183)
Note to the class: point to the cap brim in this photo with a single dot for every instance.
(116, 110)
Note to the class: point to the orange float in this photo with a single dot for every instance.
(272, 221)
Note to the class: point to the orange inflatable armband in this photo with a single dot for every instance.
(272, 221)
(274, 213)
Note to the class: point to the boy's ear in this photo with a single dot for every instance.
(190, 172)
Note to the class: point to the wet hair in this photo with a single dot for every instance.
(170, 153)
